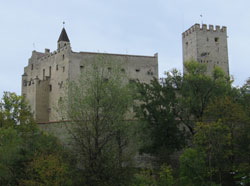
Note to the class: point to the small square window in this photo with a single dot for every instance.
(216, 39)
(137, 70)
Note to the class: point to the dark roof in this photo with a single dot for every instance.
(63, 36)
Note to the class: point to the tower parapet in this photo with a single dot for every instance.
(204, 27)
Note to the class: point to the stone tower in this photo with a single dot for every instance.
(206, 45)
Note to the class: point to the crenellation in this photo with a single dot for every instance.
(204, 27)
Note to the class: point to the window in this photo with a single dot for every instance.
(131, 81)
(186, 44)
(50, 88)
(109, 69)
(31, 66)
(63, 68)
(123, 70)
(50, 71)
(216, 39)
(43, 74)
(81, 68)
(24, 83)
(137, 70)
(60, 84)
(63, 57)
(56, 67)
(150, 72)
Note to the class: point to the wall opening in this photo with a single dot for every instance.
(43, 74)
(50, 71)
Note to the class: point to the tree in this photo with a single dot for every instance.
(233, 113)
(97, 108)
(193, 169)
(14, 111)
(160, 131)
(197, 90)
(21, 141)
(47, 170)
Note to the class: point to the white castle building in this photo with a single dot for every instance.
(46, 73)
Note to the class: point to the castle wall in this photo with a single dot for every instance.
(44, 76)
(206, 45)
(47, 73)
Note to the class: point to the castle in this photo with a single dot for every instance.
(206, 45)
(47, 72)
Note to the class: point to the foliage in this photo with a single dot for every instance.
(151, 177)
(47, 170)
(159, 129)
(193, 170)
(197, 90)
(97, 108)
(14, 111)
(21, 141)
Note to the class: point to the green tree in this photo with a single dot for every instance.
(234, 115)
(197, 90)
(159, 128)
(97, 109)
(193, 168)
(20, 140)
(47, 170)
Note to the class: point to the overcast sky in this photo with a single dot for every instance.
(141, 27)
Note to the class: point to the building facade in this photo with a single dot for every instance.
(47, 73)
(206, 45)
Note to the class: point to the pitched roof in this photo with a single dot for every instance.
(63, 36)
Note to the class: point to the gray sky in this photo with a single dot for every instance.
(141, 27)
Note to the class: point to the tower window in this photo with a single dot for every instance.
(43, 74)
(50, 71)
(81, 68)
(50, 88)
(31, 66)
(63, 68)
(63, 57)
(216, 39)
(137, 70)
(56, 67)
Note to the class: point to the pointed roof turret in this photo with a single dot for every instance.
(63, 36)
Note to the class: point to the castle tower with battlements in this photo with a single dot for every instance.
(206, 45)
